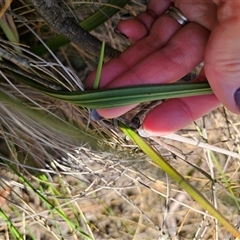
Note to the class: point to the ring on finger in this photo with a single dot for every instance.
(177, 15)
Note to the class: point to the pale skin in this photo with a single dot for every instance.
(163, 51)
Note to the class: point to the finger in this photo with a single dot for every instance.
(182, 53)
(202, 12)
(162, 30)
(174, 114)
(222, 56)
(178, 57)
(137, 28)
(158, 8)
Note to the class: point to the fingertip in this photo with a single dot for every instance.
(131, 29)
(228, 93)
(137, 28)
(237, 98)
(156, 9)
(175, 114)
(226, 87)
(222, 59)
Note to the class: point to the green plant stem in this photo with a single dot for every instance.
(11, 227)
(99, 68)
(110, 98)
(178, 178)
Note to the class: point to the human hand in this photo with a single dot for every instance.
(164, 51)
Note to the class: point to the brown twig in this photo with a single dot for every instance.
(57, 19)
(4, 7)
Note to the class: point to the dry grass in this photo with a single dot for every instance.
(96, 176)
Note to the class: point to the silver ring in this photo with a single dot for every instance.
(177, 15)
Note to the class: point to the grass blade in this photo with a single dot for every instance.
(99, 68)
(109, 98)
(178, 178)
(11, 227)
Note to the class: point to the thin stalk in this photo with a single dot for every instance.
(178, 178)
(11, 227)
(99, 68)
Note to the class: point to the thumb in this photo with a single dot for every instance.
(222, 56)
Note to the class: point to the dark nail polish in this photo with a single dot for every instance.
(120, 34)
(237, 97)
(95, 116)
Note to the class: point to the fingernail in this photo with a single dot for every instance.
(95, 116)
(142, 133)
(237, 97)
(120, 34)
